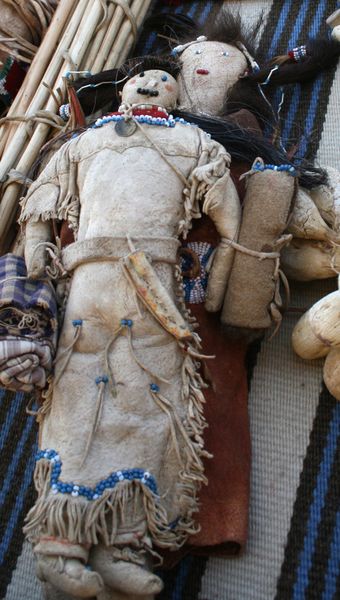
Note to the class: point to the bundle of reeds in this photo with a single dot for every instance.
(88, 35)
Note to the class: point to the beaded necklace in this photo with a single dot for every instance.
(149, 116)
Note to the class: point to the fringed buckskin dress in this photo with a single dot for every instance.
(121, 438)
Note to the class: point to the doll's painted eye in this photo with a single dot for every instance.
(164, 78)
(225, 53)
(198, 52)
(141, 74)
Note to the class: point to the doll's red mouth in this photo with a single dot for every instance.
(202, 71)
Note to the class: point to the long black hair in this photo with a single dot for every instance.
(242, 144)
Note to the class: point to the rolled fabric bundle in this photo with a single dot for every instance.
(24, 364)
(252, 293)
(28, 327)
(11, 77)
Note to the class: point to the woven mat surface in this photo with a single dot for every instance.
(293, 551)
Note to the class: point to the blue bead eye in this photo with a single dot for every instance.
(164, 78)
(198, 52)
(225, 53)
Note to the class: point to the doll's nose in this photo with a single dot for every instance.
(152, 83)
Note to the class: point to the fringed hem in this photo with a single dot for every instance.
(35, 216)
(90, 522)
(68, 211)
(99, 520)
(191, 477)
(83, 521)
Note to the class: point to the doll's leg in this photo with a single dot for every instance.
(127, 566)
(63, 564)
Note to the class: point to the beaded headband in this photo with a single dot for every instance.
(202, 38)
(179, 49)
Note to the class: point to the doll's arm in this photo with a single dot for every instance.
(45, 201)
(37, 233)
(222, 205)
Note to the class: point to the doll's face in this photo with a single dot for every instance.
(209, 70)
(151, 87)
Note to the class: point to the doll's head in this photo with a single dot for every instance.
(209, 70)
(154, 86)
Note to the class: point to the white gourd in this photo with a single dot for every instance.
(319, 328)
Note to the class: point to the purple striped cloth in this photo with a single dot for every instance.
(28, 327)
(22, 296)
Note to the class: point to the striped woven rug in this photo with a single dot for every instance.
(293, 551)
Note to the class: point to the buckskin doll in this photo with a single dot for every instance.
(121, 453)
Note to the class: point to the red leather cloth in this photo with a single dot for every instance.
(223, 515)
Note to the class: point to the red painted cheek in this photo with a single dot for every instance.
(202, 71)
(132, 81)
(169, 87)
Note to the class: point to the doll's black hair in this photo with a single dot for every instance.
(101, 90)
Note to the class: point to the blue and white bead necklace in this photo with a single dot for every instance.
(144, 115)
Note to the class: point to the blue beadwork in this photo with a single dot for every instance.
(93, 493)
(77, 322)
(184, 122)
(259, 166)
(147, 119)
(195, 287)
(154, 387)
(102, 379)
(65, 111)
(300, 52)
(126, 322)
(159, 121)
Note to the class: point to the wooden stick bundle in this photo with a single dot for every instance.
(125, 39)
(38, 68)
(111, 42)
(39, 99)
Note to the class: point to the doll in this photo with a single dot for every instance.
(121, 453)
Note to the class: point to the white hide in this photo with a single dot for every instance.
(121, 187)
(206, 93)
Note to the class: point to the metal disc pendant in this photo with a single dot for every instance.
(125, 128)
